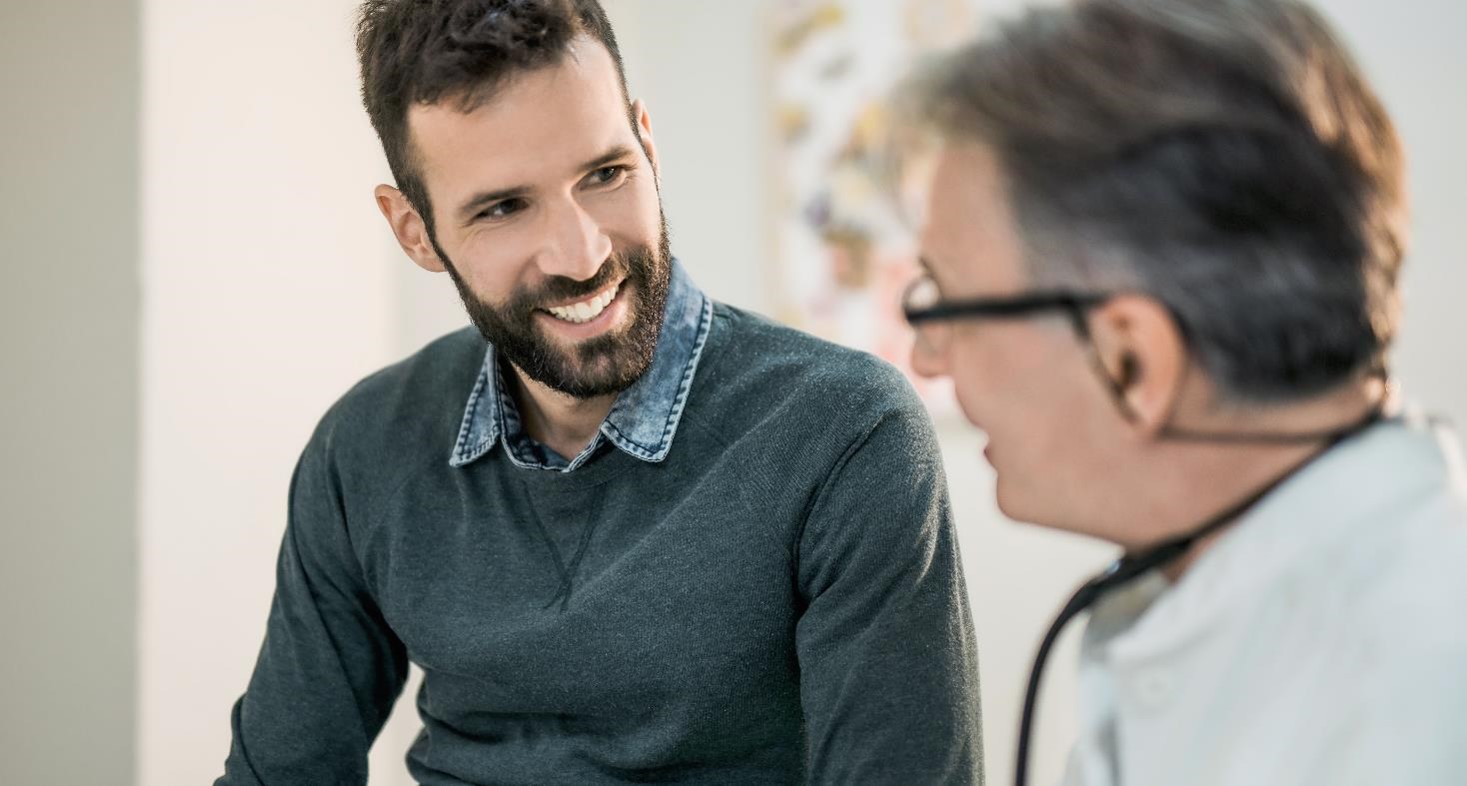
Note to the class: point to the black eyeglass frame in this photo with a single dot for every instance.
(1074, 303)
(1012, 307)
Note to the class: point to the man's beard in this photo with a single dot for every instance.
(600, 366)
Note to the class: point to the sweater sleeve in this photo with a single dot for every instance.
(888, 662)
(330, 669)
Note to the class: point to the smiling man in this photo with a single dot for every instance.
(630, 534)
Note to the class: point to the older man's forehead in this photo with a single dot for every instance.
(970, 238)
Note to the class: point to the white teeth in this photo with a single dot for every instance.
(585, 311)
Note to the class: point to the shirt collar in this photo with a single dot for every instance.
(642, 421)
(1353, 487)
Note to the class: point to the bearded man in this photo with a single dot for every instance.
(629, 534)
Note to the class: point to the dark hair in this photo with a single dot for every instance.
(427, 51)
(1224, 156)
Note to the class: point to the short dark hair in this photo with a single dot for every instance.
(426, 51)
(1224, 156)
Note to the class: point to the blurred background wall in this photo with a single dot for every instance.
(69, 387)
(195, 270)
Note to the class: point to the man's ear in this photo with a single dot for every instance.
(644, 134)
(408, 227)
(1144, 357)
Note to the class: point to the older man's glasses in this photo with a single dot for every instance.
(932, 317)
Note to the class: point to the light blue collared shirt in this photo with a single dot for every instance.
(644, 418)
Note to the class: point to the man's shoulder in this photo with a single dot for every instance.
(1413, 568)
(756, 371)
(1404, 653)
(799, 363)
(1390, 592)
(415, 403)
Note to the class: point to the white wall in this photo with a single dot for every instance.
(271, 285)
(267, 291)
(68, 390)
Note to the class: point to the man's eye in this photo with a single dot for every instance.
(503, 209)
(606, 175)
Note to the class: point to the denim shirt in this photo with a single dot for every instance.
(641, 423)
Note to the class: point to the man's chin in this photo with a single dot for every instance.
(587, 389)
(1014, 501)
(568, 340)
(588, 378)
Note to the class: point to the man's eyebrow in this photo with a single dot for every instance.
(479, 201)
(484, 199)
(614, 154)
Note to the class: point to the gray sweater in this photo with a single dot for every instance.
(780, 601)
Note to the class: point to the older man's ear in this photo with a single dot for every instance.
(1144, 357)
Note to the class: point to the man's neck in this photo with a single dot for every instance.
(563, 423)
(1229, 473)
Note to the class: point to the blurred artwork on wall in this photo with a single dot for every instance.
(846, 250)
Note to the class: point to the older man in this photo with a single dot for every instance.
(1162, 253)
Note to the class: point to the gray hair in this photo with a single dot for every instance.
(1223, 156)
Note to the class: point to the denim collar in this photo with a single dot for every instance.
(644, 418)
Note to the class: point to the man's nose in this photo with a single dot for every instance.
(928, 360)
(576, 248)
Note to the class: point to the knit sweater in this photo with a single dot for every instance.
(780, 601)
